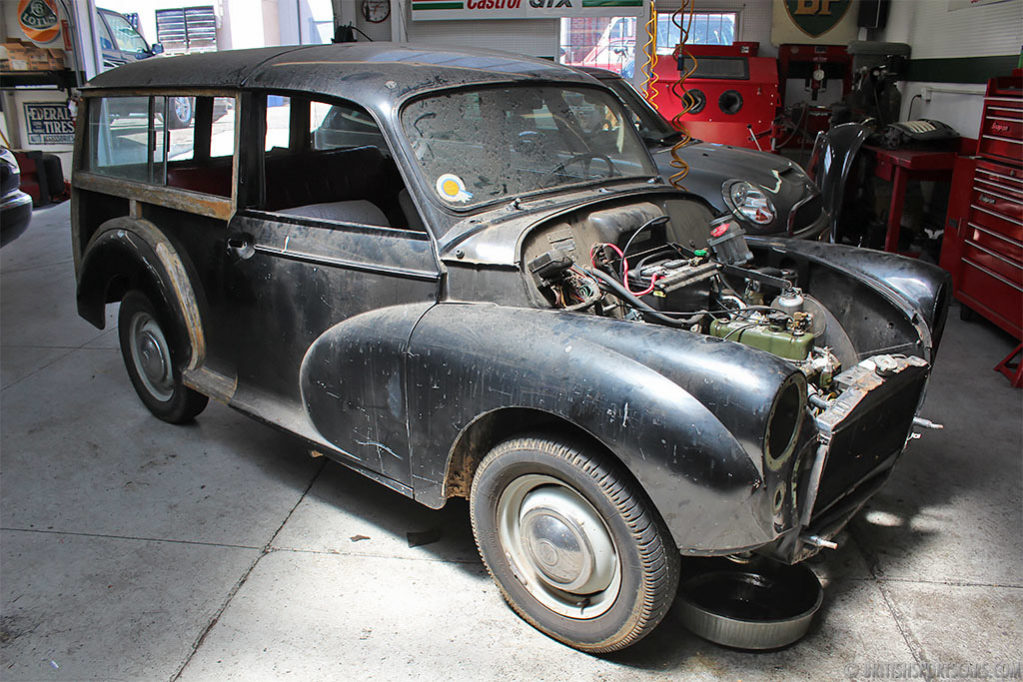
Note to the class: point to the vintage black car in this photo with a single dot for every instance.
(768, 194)
(15, 205)
(458, 273)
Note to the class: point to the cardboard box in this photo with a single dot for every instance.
(57, 61)
(29, 57)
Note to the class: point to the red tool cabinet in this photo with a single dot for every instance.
(984, 236)
(989, 239)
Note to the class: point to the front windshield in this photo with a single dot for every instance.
(482, 145)
(650, 124)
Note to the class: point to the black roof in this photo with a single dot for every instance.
(392, 70)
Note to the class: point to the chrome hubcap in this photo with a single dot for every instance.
(151, 355)
(559, 547)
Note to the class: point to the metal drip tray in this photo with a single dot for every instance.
(759, 605)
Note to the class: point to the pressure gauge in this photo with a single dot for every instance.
(376, 11)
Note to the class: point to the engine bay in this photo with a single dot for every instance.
(709, 284)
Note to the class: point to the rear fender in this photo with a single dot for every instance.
(136, 251)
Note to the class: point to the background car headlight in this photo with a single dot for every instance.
(749, 202)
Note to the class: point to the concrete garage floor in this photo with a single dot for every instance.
(135, 550)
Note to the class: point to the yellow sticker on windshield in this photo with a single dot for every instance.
(451, 188)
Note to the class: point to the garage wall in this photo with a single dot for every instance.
(933, 31)
(951, 87)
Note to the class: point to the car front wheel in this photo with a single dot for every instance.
(572, 543)
(147, 346)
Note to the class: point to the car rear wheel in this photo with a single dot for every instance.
(150, 356)
(572, 543)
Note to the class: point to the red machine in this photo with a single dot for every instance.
(736, 93)
(815, 65)
(811, 74)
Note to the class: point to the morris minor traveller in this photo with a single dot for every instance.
(458, 273)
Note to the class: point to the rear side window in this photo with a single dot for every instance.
(183, 141)
(121, 135)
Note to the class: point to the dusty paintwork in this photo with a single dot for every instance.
(408, 348)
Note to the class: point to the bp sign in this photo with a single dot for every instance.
(816, 17)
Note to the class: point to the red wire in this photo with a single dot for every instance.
(625, 271)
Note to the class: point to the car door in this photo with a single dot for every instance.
(325, 281)
(119, 41)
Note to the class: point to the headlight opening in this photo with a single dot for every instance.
(784, 421)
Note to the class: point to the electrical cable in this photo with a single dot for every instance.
(799, 124)
(624, 270)
(659, 220)
(650, 53)
(679, 90)
(609, 282)
(909, 112)
(586, 302)
(738, 329)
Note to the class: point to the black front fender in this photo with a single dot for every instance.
(684, 413)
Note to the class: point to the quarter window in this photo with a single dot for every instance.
(278, 122)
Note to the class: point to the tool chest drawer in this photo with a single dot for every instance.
(1001, 131)
(1001, 127)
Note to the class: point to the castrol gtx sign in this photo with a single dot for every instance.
(425, 10)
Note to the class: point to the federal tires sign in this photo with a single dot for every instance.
(49, 123)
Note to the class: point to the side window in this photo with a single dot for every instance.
(142, 139)
(327, 161)
(201, 144)
(119, 137)
(278, 120)
(106, 41)
(125, 35)
(343, 126)
(182, 114)
(224, 121)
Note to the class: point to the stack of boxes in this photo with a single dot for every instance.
(22, 56)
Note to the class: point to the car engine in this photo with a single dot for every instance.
(718, 290)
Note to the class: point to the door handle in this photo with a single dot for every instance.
(240, 245)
